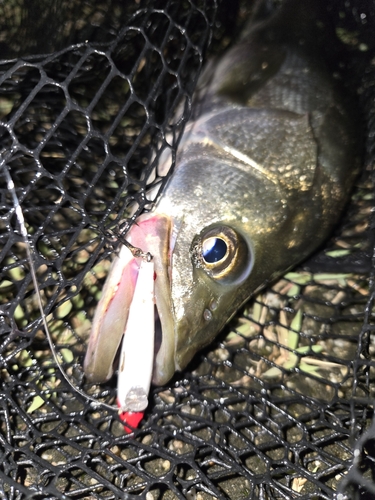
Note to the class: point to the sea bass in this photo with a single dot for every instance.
(263, 171)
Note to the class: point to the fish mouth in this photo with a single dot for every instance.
(151, 233)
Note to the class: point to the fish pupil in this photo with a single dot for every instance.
(214, 250)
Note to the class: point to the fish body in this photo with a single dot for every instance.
(263, 171)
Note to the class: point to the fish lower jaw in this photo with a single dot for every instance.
(164, 358)
(158, 333)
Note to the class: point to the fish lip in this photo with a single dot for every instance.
(151, 233)
(110, 318)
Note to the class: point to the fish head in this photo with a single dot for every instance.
(226, 246)
(218, 234)
(211, 251)
(225, 225)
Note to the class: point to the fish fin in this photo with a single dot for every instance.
(263, 10)
(268, 35)
(240, 81)
(300, 22)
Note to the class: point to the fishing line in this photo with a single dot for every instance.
(29, 254)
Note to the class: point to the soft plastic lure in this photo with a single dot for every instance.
(137, 351)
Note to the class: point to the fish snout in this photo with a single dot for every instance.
(151, 234)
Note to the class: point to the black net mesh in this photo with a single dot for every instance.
(281, 405)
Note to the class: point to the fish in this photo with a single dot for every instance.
(263, 171)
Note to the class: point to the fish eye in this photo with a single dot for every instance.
(214, 250)
(222, 252)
